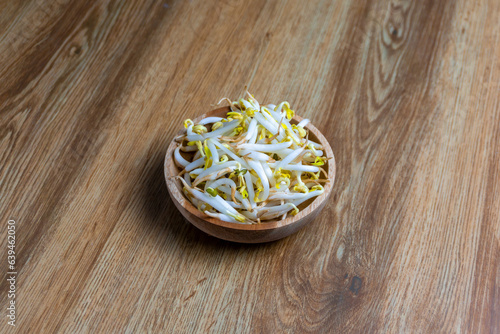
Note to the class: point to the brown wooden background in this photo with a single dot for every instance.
(407, 93)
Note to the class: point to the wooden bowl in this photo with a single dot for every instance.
(245, 233)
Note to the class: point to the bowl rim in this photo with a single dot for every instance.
(177, 195)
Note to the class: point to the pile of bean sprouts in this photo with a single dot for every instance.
(251, 166)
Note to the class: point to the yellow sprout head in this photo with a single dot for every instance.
(199, 129)
(188, 123)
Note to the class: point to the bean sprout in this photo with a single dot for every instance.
(251, 166)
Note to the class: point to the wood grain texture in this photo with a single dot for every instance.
(406, 92)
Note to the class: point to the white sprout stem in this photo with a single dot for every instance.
(318, 153)
(315, 145)
(217, 183)
(269, 174)
(279, 107)
(197, 155)
(216, 202)
(281, 116)
(252, 130)
(189, 129)
(230, 153)
(297, 167)
(303, 122)
(283, 217)
(191, 136)
(292, 134)
(287, 151)
(278, 208)
(287, 196)
(250, 215)
(253, 101)
(235, 205)
(213, 151)
(265, 123)
(195, 164)
(196, 171)
(221, 216)
(268, 115)
(209, 120)
(273, 215)
(289, 158)
(309, 195)
(223, 130)
(251, 193)
(255, 155)
(298, 175)
(269, 148)
(187, 178)
(215, 169)
(179, 159)
(217, 133)
(280, 131)
(253, 138)
(189, 148)
(195, 137)
(276, 211)
(257, 167)
(276, 115)
(238, 196)
(248, 104)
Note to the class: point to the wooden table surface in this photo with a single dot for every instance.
(406, 92)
